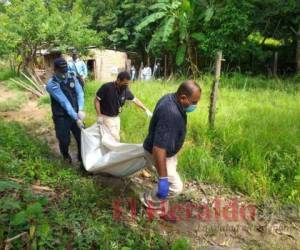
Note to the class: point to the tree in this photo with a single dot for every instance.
(187, 33)
(173, 19)
(27, 26)
(180, 28)
(279, 20)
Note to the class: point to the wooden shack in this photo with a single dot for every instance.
(103, 65)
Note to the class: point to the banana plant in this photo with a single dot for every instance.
(177, 22)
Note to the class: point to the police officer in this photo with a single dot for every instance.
(67, 103)
(109, 101)
(78, 68)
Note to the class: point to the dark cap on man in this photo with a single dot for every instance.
(74, 51)
(61, 65)
(124, 75)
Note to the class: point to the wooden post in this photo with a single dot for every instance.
(214, 90)
(275, 64)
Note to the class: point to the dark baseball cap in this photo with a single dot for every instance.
(74, 52)
(61, 64)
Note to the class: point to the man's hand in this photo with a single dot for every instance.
(163, 188)
(138, 103)
(81, 115)
(79, 124)
(149, 113)
(100, 120)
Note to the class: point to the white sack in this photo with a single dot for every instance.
(101, 153)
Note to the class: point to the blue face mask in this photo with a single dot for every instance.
(190, 108)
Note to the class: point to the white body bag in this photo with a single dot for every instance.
(101, 153)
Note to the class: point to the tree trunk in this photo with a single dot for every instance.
(275, 63)
(170, 65)
(192, 59)
(298, 50)
(165, 67)
(214, 91)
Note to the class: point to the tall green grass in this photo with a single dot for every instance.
(6, 74)
(78, 215)
(255, 147)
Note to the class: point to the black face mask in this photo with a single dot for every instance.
(122, 87)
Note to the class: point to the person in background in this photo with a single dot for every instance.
(67, 104)
(165, 138)
(143, 74)
(78, 67)
(156, 71)
(114, 70)
(148, 73)
(109, 101)
(133, 73)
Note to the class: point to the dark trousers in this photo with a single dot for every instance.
(63, 126)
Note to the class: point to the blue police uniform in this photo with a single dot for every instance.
(67, 99)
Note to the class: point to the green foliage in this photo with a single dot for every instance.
(159, 27)
(255, 147)
(175, 22)
(6, 74)
(32, 25)
(181, 244)
(180, 54)
(150, 19)
(67, 218)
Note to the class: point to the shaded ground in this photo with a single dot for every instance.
(204, 211)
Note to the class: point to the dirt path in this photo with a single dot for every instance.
(205, 210)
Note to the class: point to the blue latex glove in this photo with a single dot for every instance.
(163, 188)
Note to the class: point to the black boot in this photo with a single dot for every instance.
(68, 159)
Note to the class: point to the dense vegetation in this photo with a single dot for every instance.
(186, 33)
(255, 145)
(78, 215)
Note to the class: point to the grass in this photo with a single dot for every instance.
(255, 147)
(79, 216)
(6, 74)
(13, 104)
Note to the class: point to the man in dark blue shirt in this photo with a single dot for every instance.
(165, 138)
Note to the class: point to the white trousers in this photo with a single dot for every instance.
(176, 186)
(113, 125)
